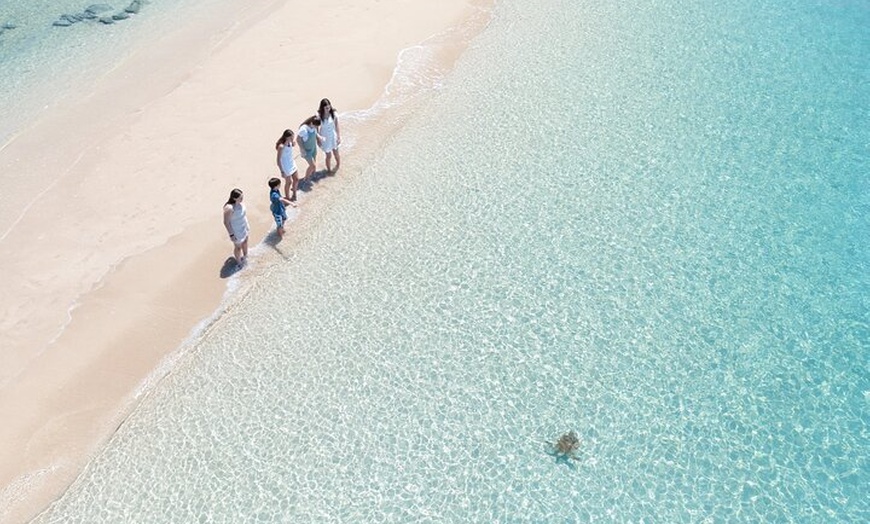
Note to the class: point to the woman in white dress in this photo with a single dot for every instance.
(236, 222)
(287, 165)
(330, 132)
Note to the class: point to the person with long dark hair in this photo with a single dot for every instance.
(330, 132)
(308, 138)
(287, 165)
(236, 222)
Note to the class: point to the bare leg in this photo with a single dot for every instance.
(237, 253)
(245, 249)
(311, 167)
(288, 186)
(337, 158)
(329, 161)
(294, 185)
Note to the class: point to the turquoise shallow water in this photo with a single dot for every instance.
(43, 64)
(647, 224)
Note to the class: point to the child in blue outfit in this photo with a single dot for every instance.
(279, 204)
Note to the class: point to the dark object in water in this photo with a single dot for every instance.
(92, 12)
(68, 20)
(566, 446)
(98, 8)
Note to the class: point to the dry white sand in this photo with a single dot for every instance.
(116, 208)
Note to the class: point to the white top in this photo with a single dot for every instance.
(288, 164)
(305, 132)
(239, 222)
(327, 130)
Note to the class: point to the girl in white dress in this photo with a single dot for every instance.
(330, 132)
(287, 165)
(236, 222)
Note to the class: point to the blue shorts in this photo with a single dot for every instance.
(280, 219)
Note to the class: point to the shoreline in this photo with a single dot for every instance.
(152, 295)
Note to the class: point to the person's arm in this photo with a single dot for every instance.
(299, 141)
(337, 132)
(278, 198)
(228, 212)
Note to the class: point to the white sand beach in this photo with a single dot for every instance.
(114, 244)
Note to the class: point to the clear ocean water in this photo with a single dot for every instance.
(42, 64)
(646, 223)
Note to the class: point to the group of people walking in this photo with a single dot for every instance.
(320, 130)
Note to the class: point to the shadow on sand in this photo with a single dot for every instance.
(307, 183)
(272, 240)
(230, 268)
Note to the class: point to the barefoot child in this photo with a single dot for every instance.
(236, 222)
(308, 138)
(331, 134)
(279, 204)
(287, 165)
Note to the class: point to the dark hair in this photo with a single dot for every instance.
(323, 103)
(234, 196)
(287, 134)
(313, 120)
(274, 182)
